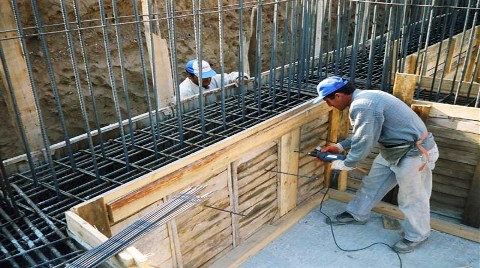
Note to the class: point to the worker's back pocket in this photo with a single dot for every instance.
(433, 157)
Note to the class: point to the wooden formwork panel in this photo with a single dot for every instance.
(204, 232)
(156, 245)
(257, 189)
(241, 172)
(311, 171)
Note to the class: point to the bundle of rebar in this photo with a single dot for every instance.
(156, 218)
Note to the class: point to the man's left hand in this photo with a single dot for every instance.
(340, 165)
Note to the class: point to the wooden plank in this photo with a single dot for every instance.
(455, 135)
(156, 245)
(391, 210)
(410, 61)
(175, 252)
(422, 111)
(288, 163)
(132, 196)
(251, 158)
(333, 130)
(233, 194)
(21, 87)
(471, 214)
(159, 56)
(448, 60)
(95, 213)
(404, 87)
(462, 125)
(90, 237)
(442, 110)
(259, 218)
(267, 234)
(208, 249)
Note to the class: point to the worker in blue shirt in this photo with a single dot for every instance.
(407, 157)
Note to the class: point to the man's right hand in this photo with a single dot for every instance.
(331, 149)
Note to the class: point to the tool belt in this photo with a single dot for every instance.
(394, 153)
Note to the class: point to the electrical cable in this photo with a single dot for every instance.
(351, 250)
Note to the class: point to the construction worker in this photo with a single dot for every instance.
(210, 79)
(407, 157)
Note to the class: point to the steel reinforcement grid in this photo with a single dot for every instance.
(32, 225)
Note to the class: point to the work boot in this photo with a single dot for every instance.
(406, 246)
(343, 219)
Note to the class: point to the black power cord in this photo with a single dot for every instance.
(352, 250)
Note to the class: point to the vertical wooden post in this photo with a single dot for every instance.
(333, 129)
(159, 57)
(471, 216)
(21, 87)
(410, 61)
(175, 250)
(288, 164)
(394, 59)
(343, 134)
(404, 87)
(233, 192)
(338, 129)
(448, 60)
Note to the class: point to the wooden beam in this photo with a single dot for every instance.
(20, 85)
(422, 111)
(288, 163)
(159, 56)
(95, 213)
(471, 215)
(448, 111)
(448, 60)
(267, 234)
(462, 231)
(404, 87)
(89, 237)
(410, 62)
(233, 192)
(332, 138)
(147, 189)
(408, 82)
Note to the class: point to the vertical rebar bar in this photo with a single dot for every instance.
(81, 98)
(222, 62)
(197, 25)
(88, 78)
(123, 75)
(145, 76)
(170, 8)
(46, 143)
(18, 117)
(53, 82)
(111, 75)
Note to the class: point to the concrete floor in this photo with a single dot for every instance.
(309, 243)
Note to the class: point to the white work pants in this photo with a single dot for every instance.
(415, 188)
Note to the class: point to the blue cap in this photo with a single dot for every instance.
(328, 86)
(207, 71)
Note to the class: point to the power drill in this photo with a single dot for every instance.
(326, 156)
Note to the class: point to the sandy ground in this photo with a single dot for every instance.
(309, 243)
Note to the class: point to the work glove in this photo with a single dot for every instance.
(246, 78)
(340, 165)
(336, 148)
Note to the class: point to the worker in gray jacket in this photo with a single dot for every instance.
(407, 157)
(210, 79)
